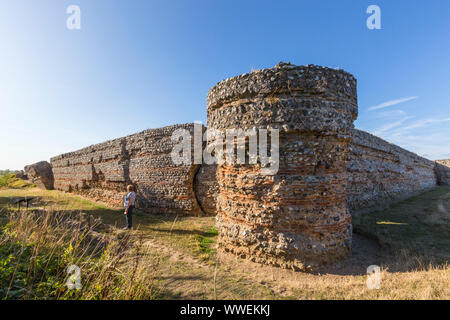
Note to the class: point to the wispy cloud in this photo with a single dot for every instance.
(431, 146)
(425, 122)
(391, 103)
(390, 114)
(427, 136)
(390, 126)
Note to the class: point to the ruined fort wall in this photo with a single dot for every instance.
(443, 172)
(381, 173)
(299, 217)
(102, 171)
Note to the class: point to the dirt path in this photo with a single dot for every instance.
(183, 276)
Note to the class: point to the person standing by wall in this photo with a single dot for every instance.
(129, 206)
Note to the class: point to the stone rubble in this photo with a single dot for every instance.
(40, 174)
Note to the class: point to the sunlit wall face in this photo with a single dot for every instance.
(145, 64)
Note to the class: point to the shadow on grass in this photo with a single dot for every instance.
(70, 203)
(202, 233)
(413, 234)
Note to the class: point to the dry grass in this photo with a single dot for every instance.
(37, 247)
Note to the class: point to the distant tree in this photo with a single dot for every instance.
(7, 171)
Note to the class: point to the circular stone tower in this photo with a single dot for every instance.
(298, 217)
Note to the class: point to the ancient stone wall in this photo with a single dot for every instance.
(102, 171)
(298, 217)
(443, 172)
(381, 173)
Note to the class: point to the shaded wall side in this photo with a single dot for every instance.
(381, 173)
(206, 188)
(443, 172)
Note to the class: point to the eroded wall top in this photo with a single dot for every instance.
(443, 171)
(274, 93)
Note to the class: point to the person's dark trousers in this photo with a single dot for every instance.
(129, 216)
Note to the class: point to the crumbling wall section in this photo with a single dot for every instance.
(443, 172)
(207, 188)
(39, 173)
(102, 171)
(381, 173)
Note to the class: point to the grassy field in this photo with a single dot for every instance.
(173, 257)
(9, 180)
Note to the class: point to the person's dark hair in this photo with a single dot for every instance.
(130, 188)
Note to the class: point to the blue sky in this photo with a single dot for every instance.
(145, 64)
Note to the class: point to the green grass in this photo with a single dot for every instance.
(9, 180)
(419, 225)
(37, 246)
(195, 234)
(205, 244)
(19, 275)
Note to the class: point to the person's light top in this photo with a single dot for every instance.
(129, 198)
